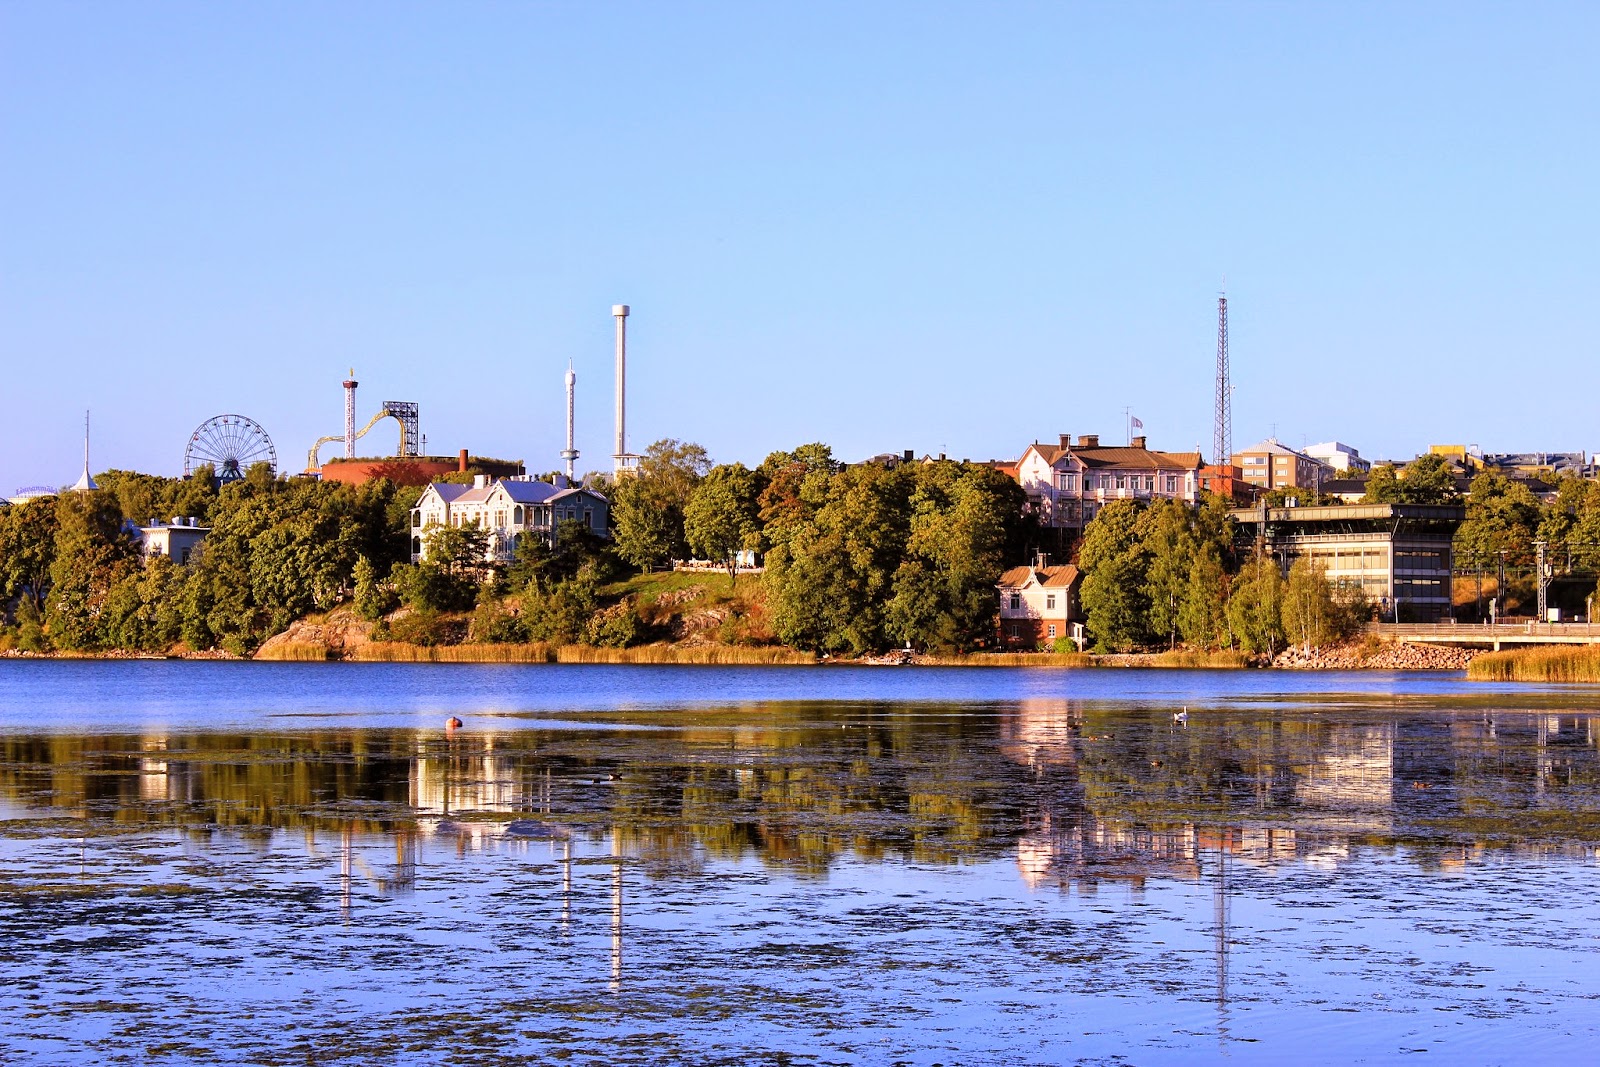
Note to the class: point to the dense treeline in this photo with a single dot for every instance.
(857, 558)
(72, 569)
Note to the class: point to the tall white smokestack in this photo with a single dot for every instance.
(350, 415)
(620, 458)
(570, 453)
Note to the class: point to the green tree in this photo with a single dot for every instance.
(1115, 567)
(722, 517)
(1202, 617)
(1428, 479)
(1501, 517)
(92, 555)
(647, 508)
(460, 550)
(1255, 606)
(1168, 545)
(28, 549)
(1310, 615)
(374, 597)
(965, 521)
(1383, 485)
(830, 585)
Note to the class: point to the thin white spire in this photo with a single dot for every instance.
(85, 483)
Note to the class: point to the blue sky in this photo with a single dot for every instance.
(943, 227)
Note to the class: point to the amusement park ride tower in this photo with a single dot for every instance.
(623, 462)
(350, 384)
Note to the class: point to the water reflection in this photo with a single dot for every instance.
(809, 871)
(1078, 794)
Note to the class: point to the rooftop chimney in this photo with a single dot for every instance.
(1066, 440)
(1088, 440)
(1137, 442)
(461, 462)
(907, 456)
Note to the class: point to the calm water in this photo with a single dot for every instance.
(294, 863)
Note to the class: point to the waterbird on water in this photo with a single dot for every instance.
(453, 723)
(1181, 716)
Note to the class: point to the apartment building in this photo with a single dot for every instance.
(1271, 464)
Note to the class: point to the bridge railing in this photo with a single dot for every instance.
(1466, 630)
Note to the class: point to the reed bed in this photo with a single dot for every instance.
(296, 653)
(1557, 664)
(721, 655)
(1220, 659)
(1009, 659)
(400, 652)
(706, 655)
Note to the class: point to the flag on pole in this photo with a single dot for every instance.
(1137, 423)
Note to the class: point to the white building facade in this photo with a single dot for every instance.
(508, 510)
(1068, 483)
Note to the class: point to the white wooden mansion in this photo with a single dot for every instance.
(1068, 483)
(510, 510)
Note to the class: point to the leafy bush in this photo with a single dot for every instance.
(615, 627)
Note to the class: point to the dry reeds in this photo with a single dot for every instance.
(400, 652)
(296, 653)
(1220, 659)
(1009, 659)
(721, 655)
(706, 655)
(1550, 664)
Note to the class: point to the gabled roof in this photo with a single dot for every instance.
(1048, 453)
(529, 492)
(1061, 577)
(449, 492)
(1113, 458)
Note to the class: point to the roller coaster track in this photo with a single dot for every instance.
(313, 464)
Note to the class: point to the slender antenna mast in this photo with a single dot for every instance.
(569, 455)
(1222, 442)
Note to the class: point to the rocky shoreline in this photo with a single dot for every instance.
(1389, 656)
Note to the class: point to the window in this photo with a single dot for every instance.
(184, 558)
(1172, 483)
(1050, 602)
(1050, 631)
(516, 516)
(1016, 601)
(1122, 481)
(588, 517)
(1067, 482)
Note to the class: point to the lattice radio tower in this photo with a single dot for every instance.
(1222, 442)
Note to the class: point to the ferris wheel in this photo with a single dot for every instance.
(231, 444)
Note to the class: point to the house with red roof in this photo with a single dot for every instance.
(1038, 605)
(1068, 483)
